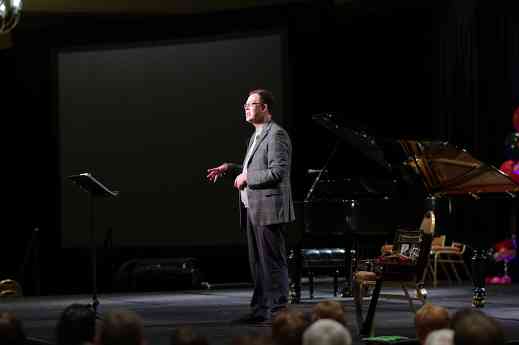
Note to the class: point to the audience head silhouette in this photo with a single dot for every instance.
(122, 327)
(76, 325)
(11, 330)
(429, 318)
(186, 336)
(326, 332)
(443, 336)
(288, 328)
(329, 309)
(473, 327)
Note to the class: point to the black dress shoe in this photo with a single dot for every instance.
(253, 319)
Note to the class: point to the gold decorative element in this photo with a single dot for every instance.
(9, 287)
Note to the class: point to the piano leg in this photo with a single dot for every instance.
(479, 267)
(295, 267)
(336, 282)
(349, 268)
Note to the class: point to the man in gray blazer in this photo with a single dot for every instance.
(263, 181)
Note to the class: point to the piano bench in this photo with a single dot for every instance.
(326, 261)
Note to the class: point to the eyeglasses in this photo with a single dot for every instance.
(248, 105)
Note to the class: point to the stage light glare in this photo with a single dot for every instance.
(10, 12)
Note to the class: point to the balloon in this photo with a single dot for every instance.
(504, 245)
(511, 168)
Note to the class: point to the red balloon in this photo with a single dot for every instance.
(516, 119)
(504, 245)
(511, 168)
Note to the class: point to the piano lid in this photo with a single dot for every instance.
(356, 135)
(449, 170)
(438, 167)
(360, 166)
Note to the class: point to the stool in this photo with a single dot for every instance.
(329, 260)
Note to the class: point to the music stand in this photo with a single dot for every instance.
(95, 189)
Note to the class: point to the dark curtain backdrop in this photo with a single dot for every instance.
(476, 92)
(476, 63)
(513, 64)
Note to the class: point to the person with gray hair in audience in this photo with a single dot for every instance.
(326, 332)
(444, 336)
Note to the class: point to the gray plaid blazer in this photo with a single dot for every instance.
(268, 177)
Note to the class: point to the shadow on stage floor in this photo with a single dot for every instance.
(209, 312)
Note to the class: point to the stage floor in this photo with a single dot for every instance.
(210, 312)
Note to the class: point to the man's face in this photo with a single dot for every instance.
(255, 110)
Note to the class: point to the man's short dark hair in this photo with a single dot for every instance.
(266, 97)
(76, 325)
(473, 327)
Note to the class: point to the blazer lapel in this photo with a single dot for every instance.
(263, 134)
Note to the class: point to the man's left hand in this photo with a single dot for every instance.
(240, 181)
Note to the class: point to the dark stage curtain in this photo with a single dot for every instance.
(477, 91)
(476, 58)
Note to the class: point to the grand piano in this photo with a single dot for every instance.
(398, 181)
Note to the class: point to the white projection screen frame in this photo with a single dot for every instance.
(148, 121)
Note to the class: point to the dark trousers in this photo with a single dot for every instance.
(269, 269)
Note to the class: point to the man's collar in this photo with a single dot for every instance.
(260, 127)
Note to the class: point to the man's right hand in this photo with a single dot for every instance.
(214, 173)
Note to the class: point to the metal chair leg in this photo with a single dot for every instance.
(335, 282)
(311, 283)
(409, 298)
(357, 290)
(368, 326)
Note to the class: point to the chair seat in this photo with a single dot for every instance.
(392, 267)
(445, 249)
(394, 260)
(365, 276)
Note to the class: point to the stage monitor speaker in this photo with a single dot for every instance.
(159, 274)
